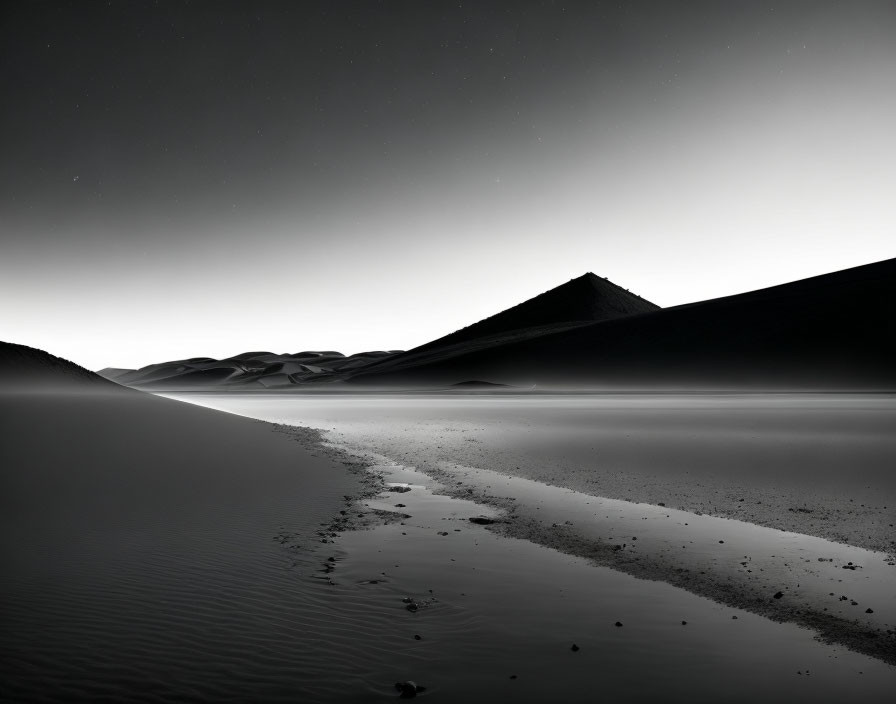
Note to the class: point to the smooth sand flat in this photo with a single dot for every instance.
(152, 550)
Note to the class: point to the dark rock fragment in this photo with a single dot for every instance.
(409, 689)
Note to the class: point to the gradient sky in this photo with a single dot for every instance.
(204, 178)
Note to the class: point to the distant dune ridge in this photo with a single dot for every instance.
(143, 549)
(581, 301)
(827, 332)
(248, 370)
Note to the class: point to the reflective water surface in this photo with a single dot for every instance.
(552, 457)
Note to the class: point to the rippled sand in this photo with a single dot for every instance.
(155, 551)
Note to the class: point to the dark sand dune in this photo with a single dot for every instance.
(587, 298)
(580, 301)
(155, 551)
(427, 354)
(827, 332)
(247, 371)
(23, 367)
(252, 355)
(832, 331)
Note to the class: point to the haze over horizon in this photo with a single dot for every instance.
(190, 179)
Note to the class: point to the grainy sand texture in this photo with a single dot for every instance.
(155, 551)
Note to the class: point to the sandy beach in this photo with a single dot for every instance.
(808, 599)
(157, 551)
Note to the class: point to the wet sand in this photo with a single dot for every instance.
(809, 463)
(496, 619)
(813, 464)
(845, 593)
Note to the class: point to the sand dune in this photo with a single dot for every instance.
(580, 301)
(831, 331)
(587, 298)
(248, 370)
(23, 367)
(153, 550)
(828, 332)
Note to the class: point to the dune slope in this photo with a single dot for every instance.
(830, 331)
(27, 368)
(586, 298)
(156, 551)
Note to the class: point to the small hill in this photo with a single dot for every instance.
(246, 371)
(581, 301)
(832, 331)
(23, 368)
(586, 298)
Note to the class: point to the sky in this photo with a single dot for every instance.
(186, 179)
